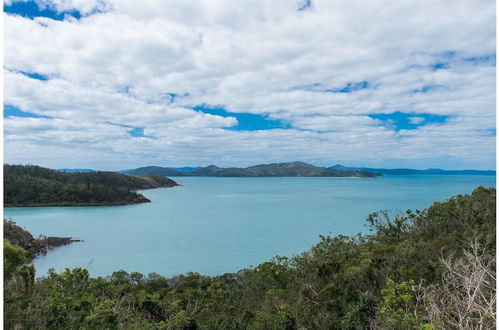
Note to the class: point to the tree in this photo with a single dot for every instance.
(466, 298)
(13, 257)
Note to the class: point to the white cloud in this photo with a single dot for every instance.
(262, 57)
(416, 120)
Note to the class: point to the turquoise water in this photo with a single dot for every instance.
(218, 225)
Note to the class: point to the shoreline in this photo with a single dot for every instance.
(70, 204)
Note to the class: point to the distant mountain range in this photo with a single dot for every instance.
(284, 169)
(294, 169)
(409, 171)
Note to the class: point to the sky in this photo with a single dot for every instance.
(116, 84)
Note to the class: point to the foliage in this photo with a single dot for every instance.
(399, 308)
(33, 247)
(466, 296)
(393, 278)
(13, 257)
(104, 317)
(29, 185)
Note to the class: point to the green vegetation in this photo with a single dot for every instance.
(294, 169)
(431, 269)
(154, 170)
(28, 185)
(31, 246)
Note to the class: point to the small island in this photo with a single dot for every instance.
(30, 185)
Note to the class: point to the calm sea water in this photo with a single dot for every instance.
(218, 225)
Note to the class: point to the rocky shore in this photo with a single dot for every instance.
(33, 246)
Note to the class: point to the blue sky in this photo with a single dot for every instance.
(30, 9)
(245, 121)
(406, 121)
(108, 84)
(12, 111)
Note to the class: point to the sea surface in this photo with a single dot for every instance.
(218, 225)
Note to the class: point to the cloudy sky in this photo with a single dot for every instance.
(123, 83)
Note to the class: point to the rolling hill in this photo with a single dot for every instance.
(293, 169)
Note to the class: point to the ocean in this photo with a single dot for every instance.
(217, 225)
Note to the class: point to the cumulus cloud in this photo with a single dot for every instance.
(323, 69)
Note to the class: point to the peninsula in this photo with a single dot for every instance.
(29, 185)
(18, 236)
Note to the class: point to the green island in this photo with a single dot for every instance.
(30, 185)
(292, 169)
(430, 269)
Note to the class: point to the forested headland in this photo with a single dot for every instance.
(430, 269)
(30, 185)
(32, 246)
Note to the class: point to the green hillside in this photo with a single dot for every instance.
(154, 170)
(293, 169)
(29, 185)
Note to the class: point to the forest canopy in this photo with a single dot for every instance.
(30, 185)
